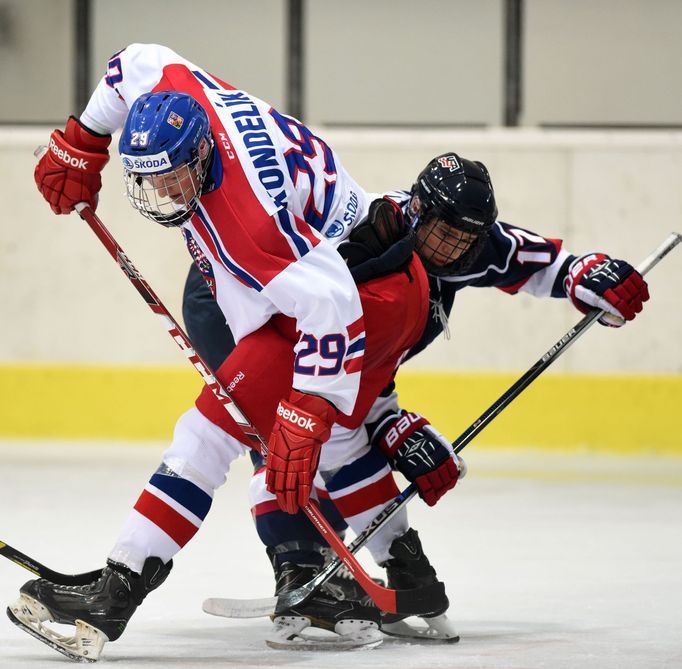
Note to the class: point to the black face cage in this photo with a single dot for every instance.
(465, 251)
(427, 249)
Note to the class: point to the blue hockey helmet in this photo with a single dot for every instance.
(452, 210)
(165, 147)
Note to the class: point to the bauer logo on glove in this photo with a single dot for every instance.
(419, 452)
(613, 286)
(408, 421)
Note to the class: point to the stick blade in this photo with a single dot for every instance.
(240, 608)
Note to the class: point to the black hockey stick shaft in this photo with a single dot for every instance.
(558, 349)
(301, 594)
(414, 601)
(42, 571)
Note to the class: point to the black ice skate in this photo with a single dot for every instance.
(342, 585)
(355, 625)
(99, 610)
(410, 568)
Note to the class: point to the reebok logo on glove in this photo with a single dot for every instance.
(65, 157)
(291, 416)
(302, 425)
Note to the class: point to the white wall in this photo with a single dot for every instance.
(242, 42)
(609, 62)
(63, 298)
(389, 62)
(378, 62)
(36, 60)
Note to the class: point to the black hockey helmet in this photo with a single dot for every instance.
(456, 192)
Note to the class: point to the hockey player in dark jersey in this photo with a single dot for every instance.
(451, 209)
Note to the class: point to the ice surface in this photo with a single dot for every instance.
(550, 560)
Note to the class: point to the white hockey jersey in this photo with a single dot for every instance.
(276, 204)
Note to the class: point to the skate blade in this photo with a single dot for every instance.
(288, 634)
(85, 645)
(439, 629)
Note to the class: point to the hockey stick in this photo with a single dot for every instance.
(255, 608)
(267, 606)
(42, 571)
(415, 601)
(246, 608)
(668, 244)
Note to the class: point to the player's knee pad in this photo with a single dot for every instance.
(201, 452)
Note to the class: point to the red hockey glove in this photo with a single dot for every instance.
(615, 286)
(420, 453)
(302, 425)
(69, 172)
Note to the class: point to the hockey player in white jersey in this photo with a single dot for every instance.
(451, 207)
(255, 194)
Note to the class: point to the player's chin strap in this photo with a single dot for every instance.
(253, 608)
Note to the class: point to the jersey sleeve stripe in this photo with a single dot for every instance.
(300, 245)
(356, 347)
(205, 80)
(353, 366)
(356, 328)
(222, 254)
(515, 287)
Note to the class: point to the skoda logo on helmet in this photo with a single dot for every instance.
(127, 163)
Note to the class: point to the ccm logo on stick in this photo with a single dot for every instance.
(291, 416)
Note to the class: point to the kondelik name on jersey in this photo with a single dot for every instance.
(257, 141)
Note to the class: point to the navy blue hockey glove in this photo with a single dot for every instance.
(615, 286)
(419, 452)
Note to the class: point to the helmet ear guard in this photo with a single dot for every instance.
(459, 193)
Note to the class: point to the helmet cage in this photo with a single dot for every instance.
(169, 198)
(445, 241)
(166, 148)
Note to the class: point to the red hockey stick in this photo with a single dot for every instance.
(412, 602)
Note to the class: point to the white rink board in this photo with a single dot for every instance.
(551, 560)
(619, 192)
